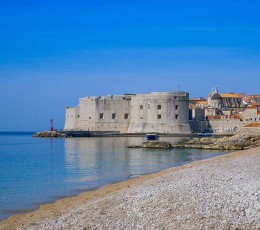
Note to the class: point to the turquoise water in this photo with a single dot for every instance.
(39, 170)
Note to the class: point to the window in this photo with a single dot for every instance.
(177, 116)
(126, 115)
(176, 107)
(159, 107)
(101, 116)
(113, 115)
(159, 116)
(141, 107)
(141, 118)
(78, 116)
(89, 118)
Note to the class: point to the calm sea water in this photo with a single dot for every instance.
(39, 170)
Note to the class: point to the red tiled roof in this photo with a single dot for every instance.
(255, 124)
(232, 95)
(218, 117)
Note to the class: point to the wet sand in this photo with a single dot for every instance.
(217, 193)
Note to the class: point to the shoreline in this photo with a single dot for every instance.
(60, 207)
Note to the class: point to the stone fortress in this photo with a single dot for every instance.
(166, 112)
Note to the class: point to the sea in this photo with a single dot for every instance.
(34, 171)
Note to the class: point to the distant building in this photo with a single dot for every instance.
(231, 100)
(224, 112)
(251, 99)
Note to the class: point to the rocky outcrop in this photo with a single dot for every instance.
(153, 145)
(49, 134)
(239, 141)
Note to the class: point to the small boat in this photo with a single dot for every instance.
(205, 134)
(152, 136)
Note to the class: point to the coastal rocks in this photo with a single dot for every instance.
(49, 134)
(157, 144)
(153, 145)
(239, 141)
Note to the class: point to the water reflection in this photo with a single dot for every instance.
(97, 161)
(39, 170)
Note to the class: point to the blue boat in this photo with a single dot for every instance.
(152, 136)
(205, 134)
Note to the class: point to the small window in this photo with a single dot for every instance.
(78, 116)
(141, 107)
(101, 116)
(177, 116)
(89, 118)
(159, 107)
(159, 116)
(126, 115)
(113, 115)
(176, 107)
(141, 118)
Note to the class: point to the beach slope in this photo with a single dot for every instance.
(217, 193)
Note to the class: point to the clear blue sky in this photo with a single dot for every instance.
(54, 52)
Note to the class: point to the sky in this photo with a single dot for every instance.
(54, 52)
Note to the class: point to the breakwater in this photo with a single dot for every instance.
(105, 134)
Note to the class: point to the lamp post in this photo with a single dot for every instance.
(51, 128)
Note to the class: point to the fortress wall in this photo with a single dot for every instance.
(87, 113)
(72, 118)
(160, 112)
(198, 126)
(111, 113)
(155, 112)
(225, 125)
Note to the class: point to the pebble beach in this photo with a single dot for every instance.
(217, 193)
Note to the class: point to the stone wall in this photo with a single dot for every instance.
(225, 125)
(199, 126)
(72, 118)
(111, 113)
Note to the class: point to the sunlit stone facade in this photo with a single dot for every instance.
(166, 112)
